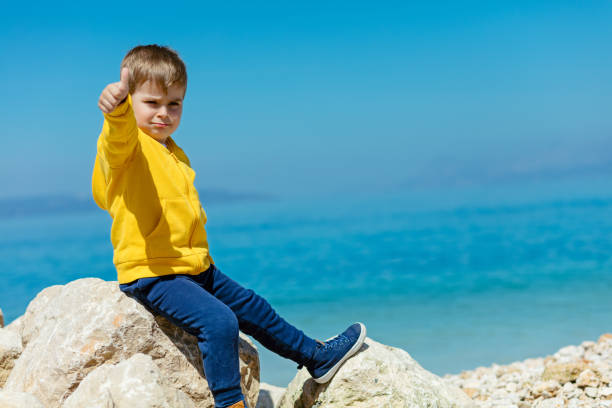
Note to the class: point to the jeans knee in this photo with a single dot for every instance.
(225, 327)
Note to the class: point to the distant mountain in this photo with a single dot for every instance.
(453, 172)
(44, 204)
(66, 203)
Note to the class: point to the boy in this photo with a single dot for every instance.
(145, 182)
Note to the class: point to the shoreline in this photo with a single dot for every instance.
(574, 377)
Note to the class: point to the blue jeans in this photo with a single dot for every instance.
(213, 307)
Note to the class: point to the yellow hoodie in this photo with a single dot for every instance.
(158, 222)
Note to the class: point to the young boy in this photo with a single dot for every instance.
(144, 180)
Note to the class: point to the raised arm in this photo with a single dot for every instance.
(119, 136)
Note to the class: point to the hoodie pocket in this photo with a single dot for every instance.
(173, 230)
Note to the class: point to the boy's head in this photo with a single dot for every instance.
(155, 63)
(157, 82)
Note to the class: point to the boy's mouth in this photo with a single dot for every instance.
(160, 125)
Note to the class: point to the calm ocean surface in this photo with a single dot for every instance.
(456, 278)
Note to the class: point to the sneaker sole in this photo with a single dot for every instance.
(328, 376)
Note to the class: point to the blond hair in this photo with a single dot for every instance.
(158, 64)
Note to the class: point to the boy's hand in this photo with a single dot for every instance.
(114, 93)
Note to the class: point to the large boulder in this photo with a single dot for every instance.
(377, 376)
(10, 350)
(134, 383)
(69, 330)
(31, 322)
(269, 395)
(14, 399)
(15, 325)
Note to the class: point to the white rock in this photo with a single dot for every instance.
(504, 403)
(587, 378)
(591, 392)
(568, 354)
(471, 384)
(575, 403)
(134, 383)
(511, 387)
(15, 325)
(587, 344)
(500, 394)
(70, 330)
(10, 350)
(14, 399)
(568, 387)
(563, 372)
(377, 376)
(550, 403)
(269, 395)
(606, 337)
(605, 392)
(569, 391)
(546, 388)
(31, 322)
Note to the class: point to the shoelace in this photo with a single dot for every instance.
(339, 340)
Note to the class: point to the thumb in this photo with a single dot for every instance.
(125, 77)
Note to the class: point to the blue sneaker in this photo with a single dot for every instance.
(330, 355)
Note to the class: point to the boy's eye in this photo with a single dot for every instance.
(174, 103)
(151, 102)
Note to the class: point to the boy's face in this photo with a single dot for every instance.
(158, 113)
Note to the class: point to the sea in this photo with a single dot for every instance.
(457, 277)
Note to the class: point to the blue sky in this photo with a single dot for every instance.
(320, 97)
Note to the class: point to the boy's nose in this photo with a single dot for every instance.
(163, 111)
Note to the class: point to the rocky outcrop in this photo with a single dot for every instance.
(573, 377)
(136, 382)
(87, 344)
(377, 376)
(13, 399)
(15, 325)
(68, 331)
(269, 396)
(10, 350)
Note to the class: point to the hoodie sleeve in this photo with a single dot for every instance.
(116, 146)
(119, 137)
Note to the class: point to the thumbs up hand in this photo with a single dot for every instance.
(115, 93)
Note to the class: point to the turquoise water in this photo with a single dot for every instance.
(456, 278)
